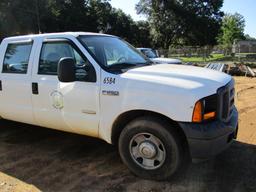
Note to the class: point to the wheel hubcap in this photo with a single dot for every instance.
(147, 151)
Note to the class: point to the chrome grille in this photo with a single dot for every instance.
(226, 98)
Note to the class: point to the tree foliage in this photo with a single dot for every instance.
(34, 16)
(170, 22)
(232, 28)
(249, 38)
(185, 22)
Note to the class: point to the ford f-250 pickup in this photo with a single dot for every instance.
(99, 85)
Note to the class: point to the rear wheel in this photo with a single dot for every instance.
(151, 148)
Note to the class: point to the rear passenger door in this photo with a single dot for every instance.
(15, 89)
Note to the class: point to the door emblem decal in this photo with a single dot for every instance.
(57, 100)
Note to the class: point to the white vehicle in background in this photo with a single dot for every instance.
(152, 55)
(98, 85)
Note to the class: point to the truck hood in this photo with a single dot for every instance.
(200, 81)
(166, 60)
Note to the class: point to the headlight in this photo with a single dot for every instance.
(205, 109)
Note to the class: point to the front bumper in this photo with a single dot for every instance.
(208, 139)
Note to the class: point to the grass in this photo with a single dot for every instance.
(211, 58)
(216, 58)
(245, 53)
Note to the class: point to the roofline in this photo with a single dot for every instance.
(75, 34)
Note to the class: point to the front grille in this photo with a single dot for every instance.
(226, 100)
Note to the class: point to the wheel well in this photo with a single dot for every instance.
(127, 117)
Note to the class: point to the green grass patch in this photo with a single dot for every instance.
(245, 53)
(211, 58)
(243, 57)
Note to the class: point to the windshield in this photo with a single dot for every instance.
(113, 53)
(149, 53)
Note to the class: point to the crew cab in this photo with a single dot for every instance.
(159, 116)
(153, 56)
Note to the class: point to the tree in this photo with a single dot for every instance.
(15, 18)
(27, 16)
(248, 37)
(35, 16)
(232, 28)
(185, 22)
(122, 25)
(142, 34)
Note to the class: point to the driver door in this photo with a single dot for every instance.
(72, 107)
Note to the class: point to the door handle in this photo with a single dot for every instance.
(35, 88)
(1, 86)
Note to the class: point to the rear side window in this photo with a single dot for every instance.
(16, 58)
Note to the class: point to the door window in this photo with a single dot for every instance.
(51, 54)
(16, 58)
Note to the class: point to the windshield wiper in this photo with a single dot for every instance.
(147, 63)
(126, 66)
(121, 65)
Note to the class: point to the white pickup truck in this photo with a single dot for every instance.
(99, 85)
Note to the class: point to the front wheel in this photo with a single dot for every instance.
(150, 148)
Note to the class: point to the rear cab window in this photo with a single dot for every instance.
(16, 57)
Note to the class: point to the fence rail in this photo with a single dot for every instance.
(207, 54)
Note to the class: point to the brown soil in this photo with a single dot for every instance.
(33, 159)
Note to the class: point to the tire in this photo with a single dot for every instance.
(151, 149)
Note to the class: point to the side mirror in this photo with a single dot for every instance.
(66, 70)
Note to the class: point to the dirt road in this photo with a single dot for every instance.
(34, 159)
(246, 103)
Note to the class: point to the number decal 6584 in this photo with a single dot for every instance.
(109, 80)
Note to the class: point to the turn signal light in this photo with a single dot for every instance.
(197, 114)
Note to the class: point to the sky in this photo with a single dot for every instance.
(247, 8)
